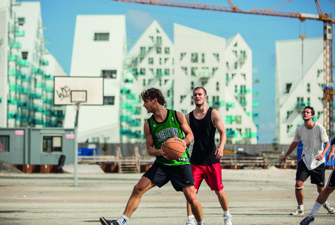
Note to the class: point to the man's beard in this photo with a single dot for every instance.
(199, 105)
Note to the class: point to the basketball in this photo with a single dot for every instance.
(173, 148)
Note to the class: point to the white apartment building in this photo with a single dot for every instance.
(99, 50)
(224, 69)
(149, 63)
(195, 59)
(26, 69)
(299, 82)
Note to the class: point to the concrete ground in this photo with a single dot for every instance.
(256, 196)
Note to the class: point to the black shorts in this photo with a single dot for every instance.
(331, 179)
(317, 174)
(180, 176)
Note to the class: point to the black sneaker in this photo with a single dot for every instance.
(104, 221)
(308, 219)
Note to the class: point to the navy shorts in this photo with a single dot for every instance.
(180, 176)
(317, 175)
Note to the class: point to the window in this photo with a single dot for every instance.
(194, 71)
(159, 40)
(203, 57)
(167, 72)
(150, 61)
(142, 50)
(182, 55)
(235, 66)
(167, 50)
(184, 69)
(217, 56)
(24, 55)
(194, 57)
(192, 85)
(288, 87)
(192, 102)
(142, 71)
(4, 143)
(21, 21)
(217, 86)
(158, 50)
(101, 36)
(52, 144)
(238, 119)
(308, 88)
(109, 74)
(109, 100)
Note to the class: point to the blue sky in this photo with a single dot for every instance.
(260, 32)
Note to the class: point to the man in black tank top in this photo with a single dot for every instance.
(205, 158)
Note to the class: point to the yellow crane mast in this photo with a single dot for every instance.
(328, 91)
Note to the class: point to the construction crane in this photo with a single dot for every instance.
(328, 91)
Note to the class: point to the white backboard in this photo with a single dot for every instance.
(71, 90)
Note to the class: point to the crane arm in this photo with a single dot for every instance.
(233, 9)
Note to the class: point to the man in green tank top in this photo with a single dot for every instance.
(162, 125)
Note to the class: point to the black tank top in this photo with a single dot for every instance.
(204, 140)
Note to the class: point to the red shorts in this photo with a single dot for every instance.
(211, 173)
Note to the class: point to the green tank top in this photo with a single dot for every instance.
(165, 130)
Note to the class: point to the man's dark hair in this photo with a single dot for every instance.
(311, 108)
(152, 93)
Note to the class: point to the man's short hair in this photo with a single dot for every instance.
(197, 88)
(311, 108)
(153, 93)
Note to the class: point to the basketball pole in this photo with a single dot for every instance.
(76, 146)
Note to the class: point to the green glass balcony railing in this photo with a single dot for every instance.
(255, 104)
(13, 72)
(19, 33)
(23, 63)
(13, 57)
(249, 135)
(230, 105)
(16, 45)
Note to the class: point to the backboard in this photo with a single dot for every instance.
(83, 90)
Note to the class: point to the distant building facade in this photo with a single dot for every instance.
(299, 83)
(195, 58)
(26, 69)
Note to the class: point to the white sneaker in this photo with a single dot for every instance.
(329, 208)
(227, 220)
(297, 212)
(190, 222)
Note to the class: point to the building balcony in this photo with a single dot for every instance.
(12, 101)
(231, 134)
(16, 45)
(44, 62)
(255, 104)
(37, 71)
(48, 101)
(230, 119)
(19, 33)
(244, 91)
(23, 63)
(250, 135)
(35, 95)
(216, 103)
(301, 105)
(13, 58)
(230, 105)
(243, 102)
(131, 96)
(125, 91)
(13, 72)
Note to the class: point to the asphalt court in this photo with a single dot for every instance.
(256, 196)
